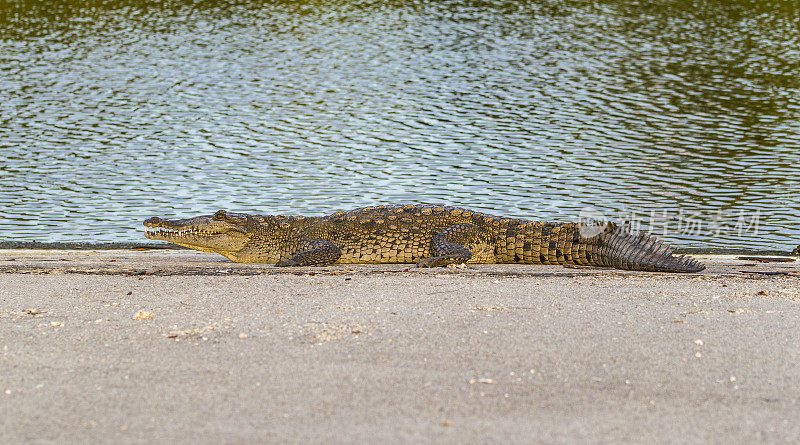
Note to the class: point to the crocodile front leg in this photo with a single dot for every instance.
(458, 244)
(313, 252)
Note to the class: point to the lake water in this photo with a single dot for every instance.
(684, 117)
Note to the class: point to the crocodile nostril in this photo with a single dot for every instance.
(220, 215)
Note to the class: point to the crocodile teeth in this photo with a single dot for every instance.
(178, 232)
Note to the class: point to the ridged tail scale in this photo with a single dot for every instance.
(603, 244)
(623, 249)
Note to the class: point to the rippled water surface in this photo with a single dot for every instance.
(682, 115)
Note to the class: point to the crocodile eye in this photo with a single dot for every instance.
(220, 215)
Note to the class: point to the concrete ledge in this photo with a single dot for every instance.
(185, 347)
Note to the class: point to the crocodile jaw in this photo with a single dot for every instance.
(204, 233)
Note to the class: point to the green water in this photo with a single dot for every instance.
(682, 116)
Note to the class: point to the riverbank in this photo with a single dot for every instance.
(181, 346)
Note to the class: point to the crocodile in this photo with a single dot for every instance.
(428, 235)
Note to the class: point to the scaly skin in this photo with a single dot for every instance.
(429, 235)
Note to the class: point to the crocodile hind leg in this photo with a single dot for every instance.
(458, 244)
(313, 252)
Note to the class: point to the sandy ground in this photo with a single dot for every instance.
(185, 347)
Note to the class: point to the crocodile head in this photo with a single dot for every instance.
(224, 232)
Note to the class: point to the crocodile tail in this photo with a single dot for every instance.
(616, 246)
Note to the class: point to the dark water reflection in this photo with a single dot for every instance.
(681, 115)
